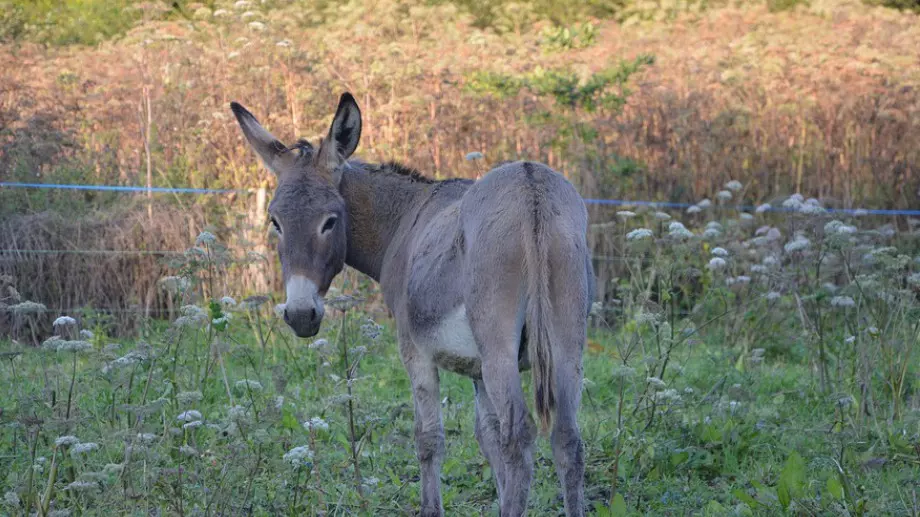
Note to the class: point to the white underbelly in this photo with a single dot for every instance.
(451, 344)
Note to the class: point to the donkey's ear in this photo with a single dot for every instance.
(346, 126)
(273, 153)
(344, 135)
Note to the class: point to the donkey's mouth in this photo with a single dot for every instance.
(304, 323)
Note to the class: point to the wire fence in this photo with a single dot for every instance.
(210, 191)
(607, 202)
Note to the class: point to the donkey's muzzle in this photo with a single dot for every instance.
(305, 322)
(303, 311)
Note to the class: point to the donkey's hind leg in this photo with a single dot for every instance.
(498, 338)
(571, 289)
(568, 450)
(488, 434)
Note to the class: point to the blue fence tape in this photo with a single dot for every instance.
(609, 202)
(120, 188)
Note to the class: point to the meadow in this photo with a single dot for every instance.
(752, 364)
(753, 348)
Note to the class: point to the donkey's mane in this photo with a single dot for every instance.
(397, 169)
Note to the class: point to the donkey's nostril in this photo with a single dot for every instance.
(286, 318)
(313, 314)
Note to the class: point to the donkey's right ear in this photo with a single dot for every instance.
(273, 153)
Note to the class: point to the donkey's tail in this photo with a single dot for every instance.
(539, 310)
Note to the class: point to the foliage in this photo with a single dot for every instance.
(568, 89)
(901, 5)
(703, 388)
(85, 22)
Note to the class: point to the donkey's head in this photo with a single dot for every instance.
(307, 211)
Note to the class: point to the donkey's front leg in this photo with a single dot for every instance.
(429, 430)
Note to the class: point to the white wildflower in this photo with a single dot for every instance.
(717, 263)
(694, 209)
(677, 230)
(842, 301)
(238, 414)
(746, 216)
(770, 260)
(188, 450)
(146, 437)
(228, 301)
(319, 344)
(83, 448)
(28, 307)
(849, 340)
(371, 481)
(656, 382)
(242, 4)
(298, 456)
(626, 214)
(812, 207)
(249, 14)
(766, 207)
(73, 346)
(622, 372)
(285, 43)
(11, 499)
(193, 424)
(711, 233)
(473, 156)
(688, 390)
(316, 423)
(189, 416)
(734, 185)
(757, 268)
(187, 398)
(873, 331)
(205, 237)
(914, 279)
(704, 203)
(86, 334)
(740, 279)
(221, 13)
(668, 395)
(233, 55)
(724, 195)
(639, 234)
(64, 321)
(662, 216)
(798, 244)
(66, 441)
(81, 486)
(772, 296)
(113, 468)
(247, 384)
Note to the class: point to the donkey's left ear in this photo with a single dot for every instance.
(344, 136)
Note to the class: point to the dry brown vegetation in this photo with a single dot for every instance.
(819, 100)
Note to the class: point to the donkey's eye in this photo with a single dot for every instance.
(329, 224)
(276, 225)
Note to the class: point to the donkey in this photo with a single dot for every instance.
(485, 279)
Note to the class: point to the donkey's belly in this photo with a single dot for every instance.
(451, 344)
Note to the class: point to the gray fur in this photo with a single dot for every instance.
(486, 279)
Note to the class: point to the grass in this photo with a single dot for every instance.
(761, 391)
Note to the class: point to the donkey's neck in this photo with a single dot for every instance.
(377, 199)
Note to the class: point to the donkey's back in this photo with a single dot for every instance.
(525, 283)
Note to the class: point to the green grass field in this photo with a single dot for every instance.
(716, 403)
